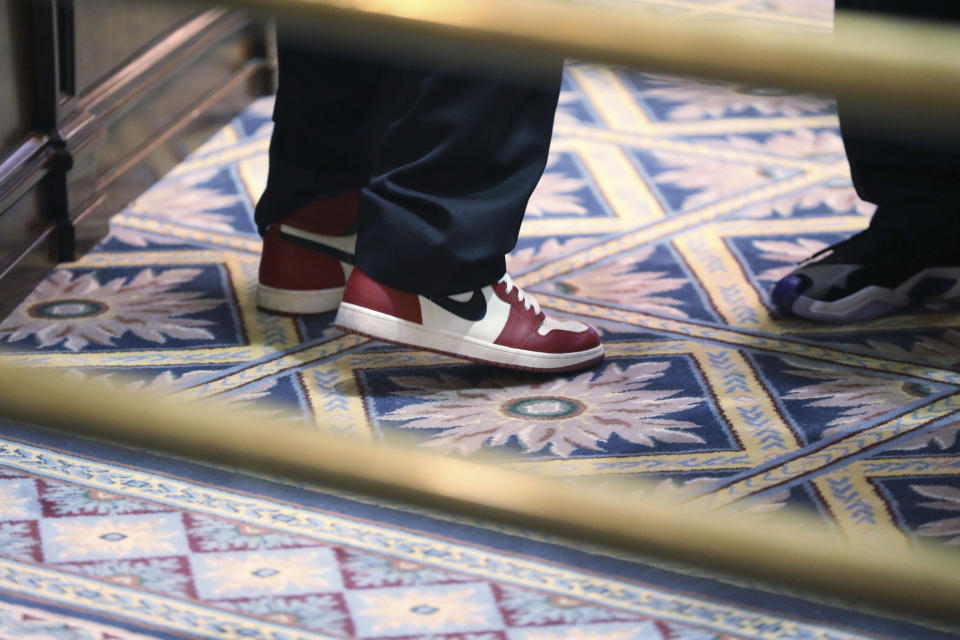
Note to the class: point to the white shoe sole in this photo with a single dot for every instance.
(298, 303)
(388, 328)
(875, 301)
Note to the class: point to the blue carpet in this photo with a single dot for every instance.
(109, 543)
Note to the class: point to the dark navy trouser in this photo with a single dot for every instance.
(446, 161)
(915, 184)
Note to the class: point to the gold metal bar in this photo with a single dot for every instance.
(926, 584)
(896, 62)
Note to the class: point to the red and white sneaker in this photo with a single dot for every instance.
(498, 324)
(308, 256)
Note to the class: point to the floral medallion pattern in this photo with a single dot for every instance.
(625, 282)
(559, 416)
(683, 99)
(860, 398)
(194, 199)
(80, 311)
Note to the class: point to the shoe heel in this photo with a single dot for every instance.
(298, 303)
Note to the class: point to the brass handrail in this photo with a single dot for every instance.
(898, 64)
(923, 584)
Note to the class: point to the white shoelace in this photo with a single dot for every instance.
(522, 296)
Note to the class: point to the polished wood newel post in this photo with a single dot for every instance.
(98, 99)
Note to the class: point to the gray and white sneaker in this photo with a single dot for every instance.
(874, 273)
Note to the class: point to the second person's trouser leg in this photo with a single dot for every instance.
(914, 182)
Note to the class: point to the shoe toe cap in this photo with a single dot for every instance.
(788, 290)
(563, 337)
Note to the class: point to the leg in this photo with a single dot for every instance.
(451, 180)
(450, 185)
(329, 114)
(328, 118)
(915, 184)
(908, 254)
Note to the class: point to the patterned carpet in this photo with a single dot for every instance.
(668, 209)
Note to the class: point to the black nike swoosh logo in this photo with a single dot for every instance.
(333, 252)
(473, 309)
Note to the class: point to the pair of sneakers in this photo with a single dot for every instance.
(874, 273)
(307, 267)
